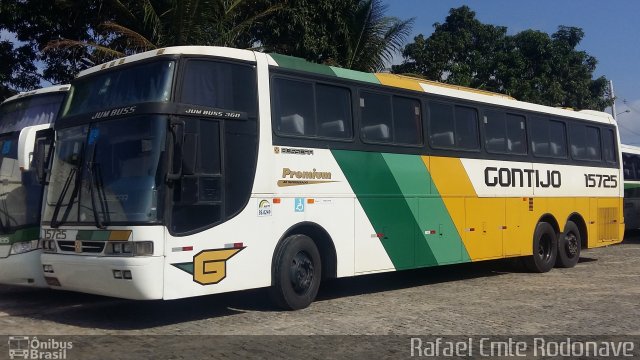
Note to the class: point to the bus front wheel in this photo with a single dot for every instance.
(545, 249)
(296, 273)
(569, 246)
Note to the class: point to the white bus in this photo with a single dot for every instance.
(188, 171)
(631, 166)
(21, 118)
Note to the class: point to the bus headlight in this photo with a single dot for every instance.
(129, 248)
(24, 246)
(144, 248)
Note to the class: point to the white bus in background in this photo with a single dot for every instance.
(631, 165)
(23, 117)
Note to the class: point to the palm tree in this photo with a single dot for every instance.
(372, 38)
(150, 24)
(353, 34)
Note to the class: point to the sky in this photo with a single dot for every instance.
(612, 36)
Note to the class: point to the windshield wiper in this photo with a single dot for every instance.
(54, 217)
(5, 228)
(96, 185)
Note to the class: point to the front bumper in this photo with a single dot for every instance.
(22, 269)
(94, 275)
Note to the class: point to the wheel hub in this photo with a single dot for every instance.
(572, 244)
(301, 272)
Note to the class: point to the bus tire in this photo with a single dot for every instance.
(545, 249)
(569, 246)
(296, 274)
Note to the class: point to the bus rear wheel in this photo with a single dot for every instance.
(569, 246)
(296, 273)
(545, 249)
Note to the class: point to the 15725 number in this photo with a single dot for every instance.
(54, 234)
(601, 181)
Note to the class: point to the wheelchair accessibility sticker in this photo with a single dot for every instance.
(299, 205)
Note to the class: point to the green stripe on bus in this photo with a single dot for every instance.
(93, 235)
(355, 75)
(26, 234)
(291, 62)
(631, 185)
(384, 204)
(186, 267)
(429, 211)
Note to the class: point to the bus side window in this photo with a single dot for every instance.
(375, 110)
(548, 138)
(516, 134)
(407, 121)
(557, 139)
(608, 146)
(293, 107)
(466, 128)
(495, 131)
(441, 124)
(333, 106)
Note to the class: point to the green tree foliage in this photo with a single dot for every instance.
(66, 36)
(17, 70)
(354, 34)
(530, 66)
(36, 22)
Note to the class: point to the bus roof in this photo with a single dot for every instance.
(218, 51)
(393, 80)
(630, 149)
(46, 90)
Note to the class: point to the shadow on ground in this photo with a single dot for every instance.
(97, 312)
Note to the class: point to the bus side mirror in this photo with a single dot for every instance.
(42, 154)
(174, 150)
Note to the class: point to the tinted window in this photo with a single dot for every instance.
(407, 121)
(294, 109)
(609, 145)
(219, 85)
(149, 82)
(466, 128)
(307, 109)
(548, 138)
(495, 131)
(516, 134)
(631, 165)
(441, 125)
(29, 111)
(585, 142)
(334, 111)
(376, 117)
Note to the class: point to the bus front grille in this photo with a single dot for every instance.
(82, 247)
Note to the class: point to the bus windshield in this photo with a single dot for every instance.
(20, 191)
(107, 172)
(139, 83)
(28, 111)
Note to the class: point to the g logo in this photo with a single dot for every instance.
(210, 266)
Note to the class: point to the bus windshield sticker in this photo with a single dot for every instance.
(93, 135)
(6, 147)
